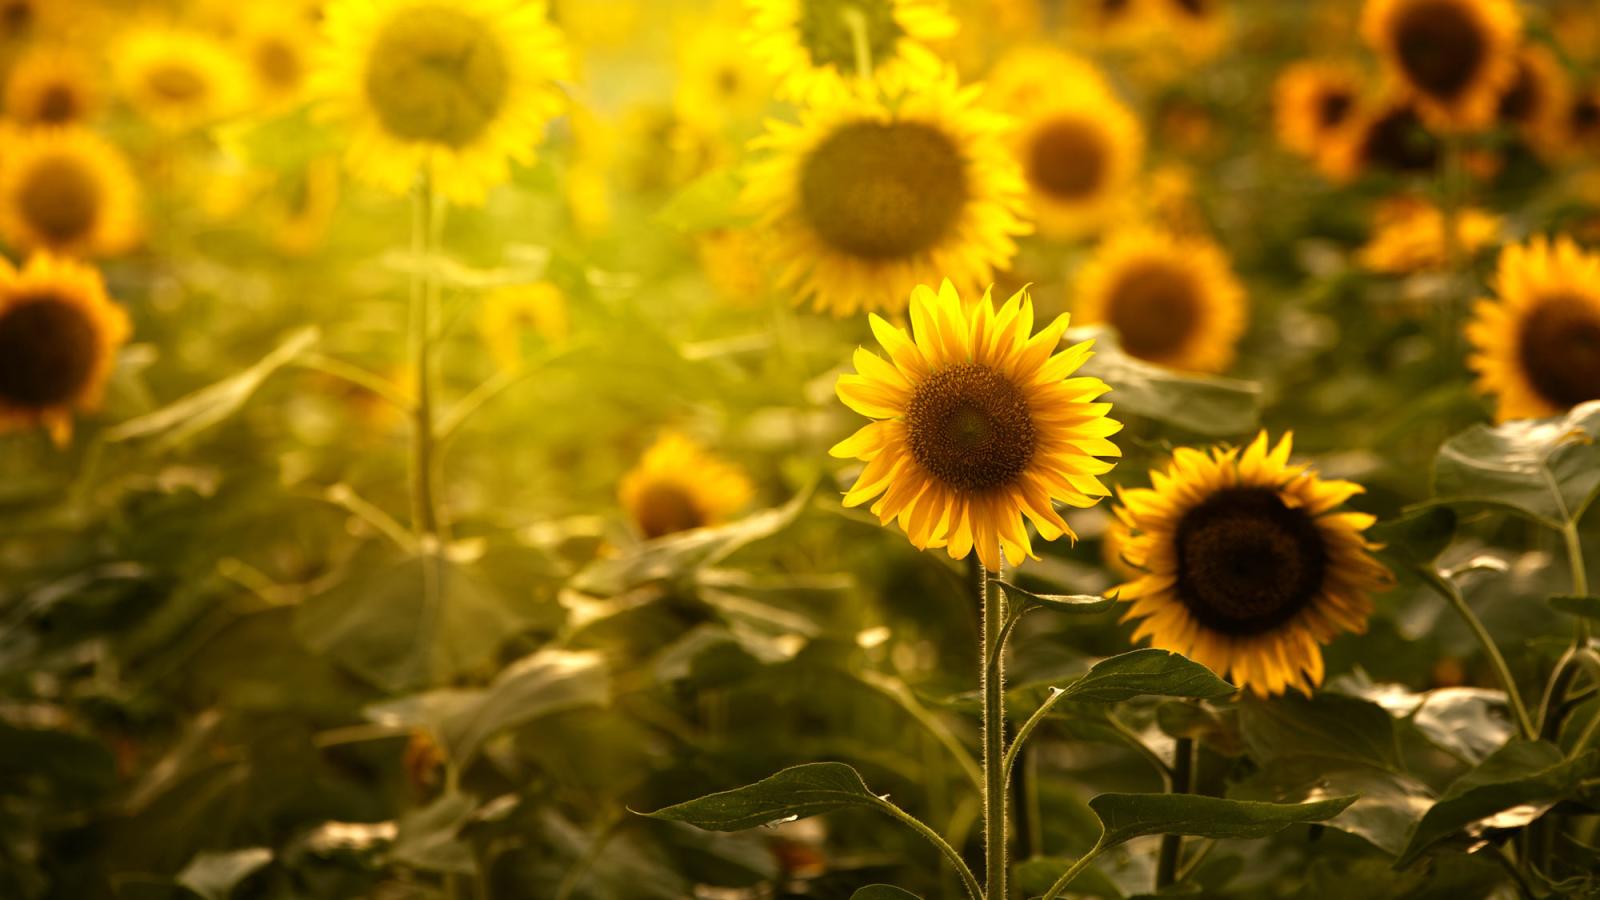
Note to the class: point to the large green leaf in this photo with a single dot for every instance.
(1331, 726)
(429, 838)
(1416, 538)
(1546, 469)
(1124, 817)
(1528, 774)
(1202, 404)
(1387, 807)
(1147, 671)
(797, 792)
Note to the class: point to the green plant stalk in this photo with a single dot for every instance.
(861, 42)
(1073, 870)
(1448, 590)
(995, 763)
(1182, 783)
(424, 290)
(969, 880)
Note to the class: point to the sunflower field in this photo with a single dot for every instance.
(799, 449)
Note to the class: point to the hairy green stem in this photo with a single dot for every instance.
(1447, 589)
(995, 770)
(856, 21)
(1074, 869)
(424, 292)
(1183, 754)
(969, 880)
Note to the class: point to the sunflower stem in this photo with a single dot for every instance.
(424, 290)
(1183, 755)
(1450, 592)
(1073, 870)
(992, 675)
(856, 21)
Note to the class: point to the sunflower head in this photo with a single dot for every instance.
(276, 49)
(1312, 101)
(509, 315)
(1454, 56)
(976, 426)
(179, 79)
(867, 198)
(1537, 100)
(1246, 564)
(1409, 236)
(1173, 300)
(458, 89)
(1536, 345)
(67, 191)
(51, 88)
(814, 47)
(678, 485)
(1389, 137)
(59, 334)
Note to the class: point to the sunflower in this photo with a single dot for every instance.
(976, 426)
(457, 90)
(51, 88)
(731, 260)
(67, 191)
(510, 314)
(179, 79)
(1390, 137)
(1454, 56)
(276, 50)
(1078, 145)
(678, 485)
(1538, 99)
(59, 333)
(1312, 101)
(1583, 119)
(1173, 300)
(1245, 564)
(1409, 236)
(812, 46)
(864, 200)
(1197, 28)
(1537, 345)
(301, 210)
(718, 80)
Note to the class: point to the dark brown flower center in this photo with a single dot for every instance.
(1559, 349)
(970, 427)
(665, 508)
(278, 64)
(1195, 9)
(1068, 159)
(60, 199)
(175, 82)
(1441, 46)
(828, 37)
(57, 104)
(16, 18)
(883, 190)
(1522, 99)
(47, 352)
(1154, 306)
(436, 75)
(1586, 116)
(1246, 562)
(1334, 106)
(1398, 141)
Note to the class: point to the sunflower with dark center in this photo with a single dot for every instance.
(863, 200)
(51, 88)
(1537, 101)
(678, 486)
(1246, 564)
(1583, 118)
(457, 89)
(976, 427)
(1173, 300)
(277, 49)
(67, 191)
(1389, 137)
(1312, 102)
(1536, 344)
(179, 79)
(812, 46)
(1455, 56)
(59, 333)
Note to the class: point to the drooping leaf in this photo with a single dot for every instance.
(1546, 469)
(429, 838)
(1418, 537)
(1528, 774)
(797, 792)
(1202, 404)
(214, 874)
(1387, 807)
(883, 892)
(1146, 671)
(1328, 725)
(1082, 604)
(1124, 817)
(1587, 607)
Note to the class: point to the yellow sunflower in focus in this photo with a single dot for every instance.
(509, 315)
(678, 485)
(1536, 346)
(1409, 236)
(976, 425)
(67, 191)
(1538, 100)
(178, 79)
(1389, 137)
(1454, 56)
(455, 90)
(864, 199)
(816, 47)
(1173, 300)
(51, 88)
(59, 335)
(1079, 147)
(1312, 101)
(1246, 565)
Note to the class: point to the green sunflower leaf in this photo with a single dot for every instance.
(1146, 671)
(1545, 469)
(1587, 607)
(1202, 404)
(1124, 817)
(1068, 603)
(798, 792)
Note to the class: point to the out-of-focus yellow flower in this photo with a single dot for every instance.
(678, 485)
(51, 87)
(1538, 100)
(67, 191)
(719, 80)
(1387, 136)
(1312, 101)
(731, 259)
(815, 47)
(457, 91)
(179, 79)
(1409, 236)
(507, 317)
(59, 335)
(277, 48)
(1455, 57)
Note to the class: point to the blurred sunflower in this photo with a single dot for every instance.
(812, 46)
(456, 90)
(51, 87)
(1538, 99)
(678, 485)
(1078, 145)
(976, 426)
(1312, 101)
(508, 315)
(276, 48)
(59, 334)
(1197, 28)
(1409, 236)
(179, 79)
(302, 208)
(864, 200)
(1583, 119)
(719, 80)
(1388, 137)
(1454, 56)
(731, 260)
(1537, 344)
(1245, 566)
(67, 191)
(1173, 300)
